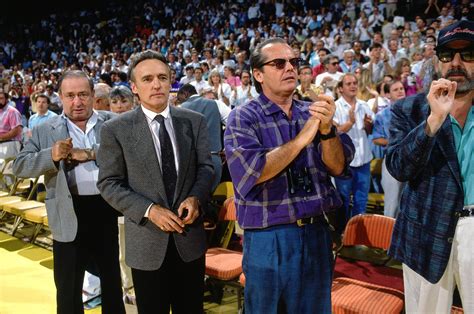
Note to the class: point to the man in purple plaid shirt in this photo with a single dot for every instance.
(281, 153)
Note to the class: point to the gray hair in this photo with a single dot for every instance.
(142, 56)
(121, 92)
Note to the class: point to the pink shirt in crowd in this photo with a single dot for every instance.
(9, 119)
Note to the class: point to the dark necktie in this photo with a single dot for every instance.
(168, 167)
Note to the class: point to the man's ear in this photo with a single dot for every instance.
(258, 75)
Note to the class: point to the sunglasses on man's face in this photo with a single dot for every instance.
(280, 63)
(447, 55)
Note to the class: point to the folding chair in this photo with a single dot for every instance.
(363, 284)
(17, 208)
(375, 202)
(6, 176)
(223, 266)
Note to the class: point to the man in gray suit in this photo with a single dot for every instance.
(155, 168)
(83, 225)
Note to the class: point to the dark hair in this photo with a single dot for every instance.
(106, 78)
(186, 91)
(123, 76)
(48, 100)
(388, 85)
(257, 59)
(142, 56)
(375, 45)
(77, 74)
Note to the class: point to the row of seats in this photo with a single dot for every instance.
(16, 200)
(366, 279)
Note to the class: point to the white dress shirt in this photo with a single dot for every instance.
(363, 153)
(83, 178)
(155, 128)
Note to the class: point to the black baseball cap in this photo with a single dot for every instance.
(461, 30)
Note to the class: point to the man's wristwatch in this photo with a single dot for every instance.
(330, 135)
(90, 153)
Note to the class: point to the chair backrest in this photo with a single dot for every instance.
(371, 230)
(228, 211)
(224, 189)
(376, 166)
(7, 178)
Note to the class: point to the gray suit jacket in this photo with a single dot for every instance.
(130, 180)
(35, 160)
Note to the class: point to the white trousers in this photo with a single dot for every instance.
(422, 296)
(392, 192)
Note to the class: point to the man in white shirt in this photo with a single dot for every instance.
(328, 80)
(245, 92)
(84, 226)
(354, 117)
(198, 83)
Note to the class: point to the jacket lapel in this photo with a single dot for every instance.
(445, 140)
(183, 135)
(145, 151)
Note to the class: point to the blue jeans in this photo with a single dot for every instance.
(359, 186)
(288, 269)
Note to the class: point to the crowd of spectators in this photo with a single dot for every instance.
(207, 44)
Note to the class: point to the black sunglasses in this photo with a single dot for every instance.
(447, 55)
(334, 63)
(280, 63)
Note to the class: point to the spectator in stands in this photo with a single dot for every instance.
(306, 89)
(378, 64)
(359, 56)
(55, 104)
(392, 188)
(283, 160)
(245, 92)
(199, 83)
(63, 149)
(430, 148)
(159, 195)
(328, 79)
(354, 117)
(348, 64)
(10, 128)
(189, 75)
(229, 74)
(42, 104)
(222, 89)
(121, 99)
(101, 96)
(410, 82)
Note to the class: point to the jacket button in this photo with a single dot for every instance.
(450, 240)
(457, 214)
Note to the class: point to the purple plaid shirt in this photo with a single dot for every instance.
(255, 129)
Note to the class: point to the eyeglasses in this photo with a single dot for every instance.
(334, 63)
(447, 55)
(82, 96)
(280, 63)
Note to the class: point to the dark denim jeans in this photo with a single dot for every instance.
(288, 269)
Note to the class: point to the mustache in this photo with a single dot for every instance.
(457, 72)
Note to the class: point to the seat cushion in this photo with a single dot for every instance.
(350, 296)
(223, 264)
(19, 207)
(367, 272)
(35, 215)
